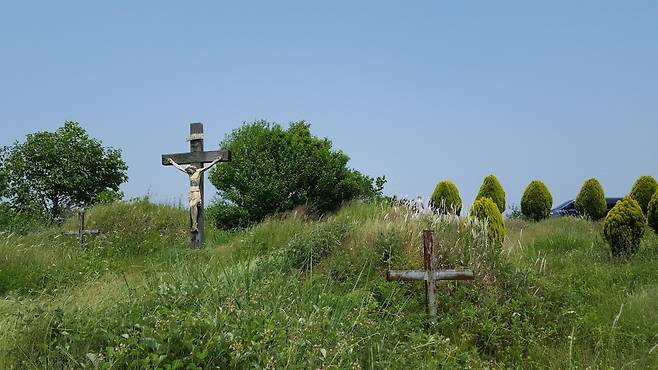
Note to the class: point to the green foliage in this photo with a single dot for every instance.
(652, 212)
(108, 196)
(54, 171)
(624, 226)
(308, 249)
(275, 170)
(590, 201)
(643, 190)
(238, 304)
(21, 221)
(515, 213)
(537, 201)
(492, 189)
(225, 215)
(484, 209)
(446, 199)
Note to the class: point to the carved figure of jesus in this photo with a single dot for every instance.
(195, 191)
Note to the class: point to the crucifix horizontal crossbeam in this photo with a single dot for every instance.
(197, 157)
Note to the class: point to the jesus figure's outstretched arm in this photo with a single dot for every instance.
(178, 166)
(217, 160)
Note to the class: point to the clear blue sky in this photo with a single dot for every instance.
(418, 91)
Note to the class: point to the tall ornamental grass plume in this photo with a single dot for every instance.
(643, 189)
(537, 201)
(492, 189)
(652, 212)
(624, 226)
(445, 198)
(590, 201)
(484, 209)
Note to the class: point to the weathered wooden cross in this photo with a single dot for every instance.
(81, 228)
(429, 275)
(197, 157)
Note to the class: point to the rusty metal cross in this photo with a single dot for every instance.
(429, 275)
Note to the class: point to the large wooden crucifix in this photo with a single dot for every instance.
(429, 275)
(195, 160)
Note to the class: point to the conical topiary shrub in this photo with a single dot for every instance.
(652, 212)
(643, 190)
(485, 209)
(590, 201)
(624, 226)
(445, 198)
(537, 201)
(492, 189)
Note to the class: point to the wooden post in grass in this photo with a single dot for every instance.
(81, 228)
(195, 159)
(429, 275)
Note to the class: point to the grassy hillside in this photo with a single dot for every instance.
(299, 293)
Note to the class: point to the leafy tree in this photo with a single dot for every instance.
(275, 170)
(536, 201)
(590, 201)
(643, 190)
(53, 171)
(491, 188)
(445, 198)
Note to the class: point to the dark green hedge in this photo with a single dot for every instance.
(486, 209)
(643, 190)
(446, 199)
(590, 201)
(492, 189)
(624, 226)
(652, 213)
(537, 201)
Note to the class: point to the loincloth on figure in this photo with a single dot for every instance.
(195, 196)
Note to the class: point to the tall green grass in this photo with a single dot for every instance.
(301, 293)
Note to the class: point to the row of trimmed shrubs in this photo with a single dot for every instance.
(489, 205)
(623, 227)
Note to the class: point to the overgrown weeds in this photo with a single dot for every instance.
(311, 294)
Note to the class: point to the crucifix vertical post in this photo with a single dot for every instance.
(196, 158)
(196, 145)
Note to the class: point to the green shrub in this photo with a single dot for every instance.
(224, 215)
(624, 226)
(275, 170)
(308, 249)
(590, 201)
(643, 189)
(445, 198)
(537, 201)
(21, 221)
(652, 212)
(492, 189)
(485, 209)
